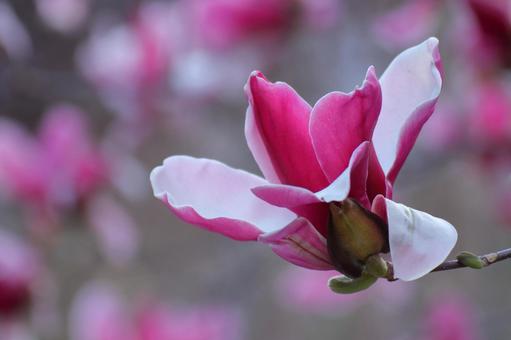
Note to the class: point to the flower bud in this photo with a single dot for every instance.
(376, 266)
(354, 234)
(345, 285)
(470, 260)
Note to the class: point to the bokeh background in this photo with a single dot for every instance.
(94, 94)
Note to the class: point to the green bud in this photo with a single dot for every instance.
(354, 234)
(470, 260)
(376, 266)
(345, 285)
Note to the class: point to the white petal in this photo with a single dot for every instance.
(418, 241)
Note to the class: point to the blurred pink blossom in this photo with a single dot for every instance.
(308, 161)
(490, 38)
(99, 312)
(19, 270)
(407, 24)
(490, 115)
(65, 16)
(69, 166)
(224, 23)
(450, 318)
(116, 230)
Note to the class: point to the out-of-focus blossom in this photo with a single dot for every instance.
(491, 37)
(99, 312)
(19, 270)
(128, 57)
(14, 39)
(490, 116)
(306, 291)
(63, 15)
(321, 14)
(450, 318)
(407, 24)
(115, 228)
(69, 166)
(224, 23)
(309, 161)
(443, 132)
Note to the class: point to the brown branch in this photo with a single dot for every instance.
(487, 259)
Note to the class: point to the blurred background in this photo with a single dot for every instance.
(94, 94)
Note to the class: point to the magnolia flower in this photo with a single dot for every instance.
(348, 148)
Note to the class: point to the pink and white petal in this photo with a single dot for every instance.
(418, 241)
(341, 121)
(285, 196)
(216, 197)
(301, 201)
(277, 132)
(352, 181)
(301, 244)
(410, 89)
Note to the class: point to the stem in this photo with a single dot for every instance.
(488, 260)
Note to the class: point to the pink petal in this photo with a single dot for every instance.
(216, 197)
(301, 244)
(301, 201)
(352, 182)
(277, 131)
(410, 88)
(418, 241)
(340, 122)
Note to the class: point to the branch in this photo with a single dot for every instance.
(487, 260)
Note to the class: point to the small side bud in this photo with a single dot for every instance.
(376, 266)
(354, 234)
(470, 260)
(345, 285)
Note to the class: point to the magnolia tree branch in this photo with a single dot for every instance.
(487, 260)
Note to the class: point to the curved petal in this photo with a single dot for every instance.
(301, 244)
(216, 197)
(410, 88)
(352, 181)
(341, 121)
(301, 201)
(277, 132)
(418, 241)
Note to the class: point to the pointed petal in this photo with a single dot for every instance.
(216, 197)
(410, 89)
(277, 132)
(352, 182)
(418, 241)
(301, 201)
(341, 121)
(301, 244)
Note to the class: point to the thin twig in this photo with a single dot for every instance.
(488, 260)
